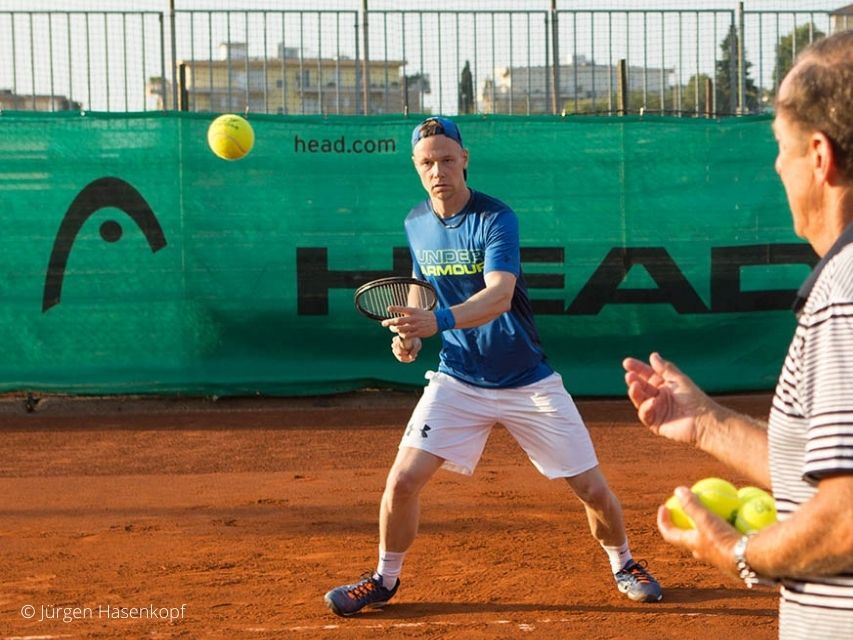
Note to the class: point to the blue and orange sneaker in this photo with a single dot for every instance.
(352, 598)
(637, 583)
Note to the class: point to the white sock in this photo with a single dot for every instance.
(618, 556)
(389, 567)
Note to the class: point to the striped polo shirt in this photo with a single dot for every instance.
(811, 432)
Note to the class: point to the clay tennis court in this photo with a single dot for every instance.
(230, 519)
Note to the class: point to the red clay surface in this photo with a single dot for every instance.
(245, 512)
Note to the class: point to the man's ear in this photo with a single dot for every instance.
(822, 153)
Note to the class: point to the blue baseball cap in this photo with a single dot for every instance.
(446, 127)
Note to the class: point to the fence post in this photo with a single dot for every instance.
(366, 60)
(741, 71)
(555, 66)
(183, 94)
(710, 111)
(622, 83)
(174, 54)
(163, 99)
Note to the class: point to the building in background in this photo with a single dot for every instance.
(528, 89)
(842, 19)
(38, 102)
(290, 84)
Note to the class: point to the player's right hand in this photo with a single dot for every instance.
(406, 350)
(667, 401)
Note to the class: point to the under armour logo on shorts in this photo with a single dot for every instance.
(423, 430)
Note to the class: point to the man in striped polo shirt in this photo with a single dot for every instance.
(805, 452)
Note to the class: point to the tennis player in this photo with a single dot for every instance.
(805, 453)
(492, 369)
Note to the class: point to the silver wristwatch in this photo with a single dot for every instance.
(745, 572)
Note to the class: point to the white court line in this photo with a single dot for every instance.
(34, 637)
(522, 626)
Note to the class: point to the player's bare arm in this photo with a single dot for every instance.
(484, 306)
(671, 405)
(816, 540)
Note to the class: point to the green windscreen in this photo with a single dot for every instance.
(133, 260)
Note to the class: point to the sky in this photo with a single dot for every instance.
(88, 68)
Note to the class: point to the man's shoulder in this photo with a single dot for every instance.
(842, 272)
(421, 209)
(487, 204)
(834, 285)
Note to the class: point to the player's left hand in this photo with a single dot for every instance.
(405, 350)
(413, 323)
(711, 541)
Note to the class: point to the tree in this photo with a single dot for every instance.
(466, 90)
(789, 46)
(694, 88)
(726, 78)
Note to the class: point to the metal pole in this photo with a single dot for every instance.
(246, 65)
(547, 64)
(741, 80)
(405, 65)
(50, 61)
(555, 53)
(709, 98)
(174, 53)
(107, 75)
(124, 54)
(734, 70)
(622, 80)
(162, 64)
(70, 64)
(366, 60)
(183, 94)
(33, 67)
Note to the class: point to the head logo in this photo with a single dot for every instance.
(103, 192)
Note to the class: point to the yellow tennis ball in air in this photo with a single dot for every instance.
(719, 496)
(230, 136)
(755, 514)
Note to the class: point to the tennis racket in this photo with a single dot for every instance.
(374, 298)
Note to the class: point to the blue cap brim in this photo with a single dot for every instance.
(446, 128)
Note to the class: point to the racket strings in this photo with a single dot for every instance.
(398, 294)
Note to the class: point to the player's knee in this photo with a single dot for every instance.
(592, 490)
(403, 484)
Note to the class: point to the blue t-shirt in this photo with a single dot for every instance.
(453, 254)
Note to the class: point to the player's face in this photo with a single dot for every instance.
(794, 168)
(441, 163)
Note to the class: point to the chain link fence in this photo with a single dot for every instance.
(354, 58)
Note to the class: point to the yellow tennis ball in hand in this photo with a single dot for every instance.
(676, 513)
(755, 514)
(719, 496)
(748, 493)
(230, 136)
(714, 484)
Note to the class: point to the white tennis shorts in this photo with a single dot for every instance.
(453, 421)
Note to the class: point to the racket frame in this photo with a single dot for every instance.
(394, 280)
